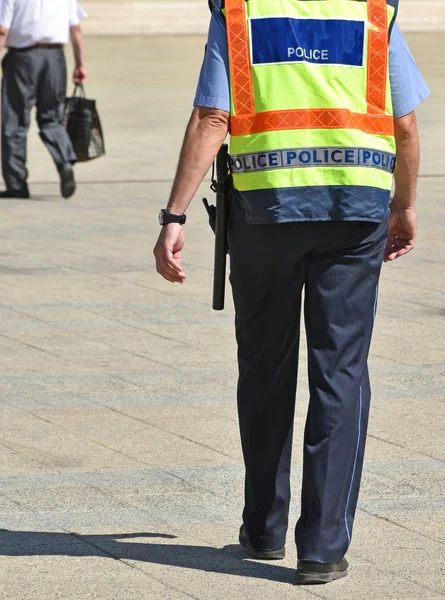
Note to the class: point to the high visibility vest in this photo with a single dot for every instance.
(310, 93)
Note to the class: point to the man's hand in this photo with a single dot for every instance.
(402, 232)
(168, 253)
(80, 75)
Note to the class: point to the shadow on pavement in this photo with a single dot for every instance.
(230, 560)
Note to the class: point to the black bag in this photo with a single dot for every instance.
(83, 125)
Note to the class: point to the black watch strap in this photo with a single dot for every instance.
(166, 217)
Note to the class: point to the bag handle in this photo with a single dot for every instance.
(79, 90)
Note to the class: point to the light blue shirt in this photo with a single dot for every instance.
(408, 90)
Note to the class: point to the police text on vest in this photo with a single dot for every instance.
(313, 54)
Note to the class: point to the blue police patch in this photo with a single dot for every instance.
(278, 40)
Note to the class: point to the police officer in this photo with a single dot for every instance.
(318, 98)
(34, 73)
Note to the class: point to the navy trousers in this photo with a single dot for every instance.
(338, 264)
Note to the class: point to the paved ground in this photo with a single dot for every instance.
(120, 466)
(126, 17)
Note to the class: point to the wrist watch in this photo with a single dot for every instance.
(166, 217)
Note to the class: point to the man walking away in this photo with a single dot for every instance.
(34, 74)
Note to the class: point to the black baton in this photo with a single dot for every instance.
(219, 221)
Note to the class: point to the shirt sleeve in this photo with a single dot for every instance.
(213, 86)
(6, 13)
(408, 88)
(77, 13)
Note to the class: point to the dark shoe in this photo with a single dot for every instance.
(67, 182)
(23, 193)
(260, 553)
(311, 573)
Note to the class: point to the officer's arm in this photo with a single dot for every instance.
(206, 131)
(408, 157)
(402, 224)
(3, 35)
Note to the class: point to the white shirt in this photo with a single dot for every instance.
(33, 22)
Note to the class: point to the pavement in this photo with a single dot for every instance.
(188, 17)
(120, 467)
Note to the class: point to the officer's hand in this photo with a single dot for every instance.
(80, 75)
(402, 232)
(168, 253)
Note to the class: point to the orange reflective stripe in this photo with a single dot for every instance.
(316, 118)
(377, 56)
(239, 57)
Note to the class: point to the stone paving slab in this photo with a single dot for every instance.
(120, 465)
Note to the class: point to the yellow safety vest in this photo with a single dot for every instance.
(310, 94)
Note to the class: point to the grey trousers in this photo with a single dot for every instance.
(33, 77)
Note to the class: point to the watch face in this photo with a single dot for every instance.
(161, 217)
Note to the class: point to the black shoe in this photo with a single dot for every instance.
(67, 182)
(23, 193)
(311, 573)
(261, 553)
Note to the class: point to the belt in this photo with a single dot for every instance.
(37, 46)
(48, 46)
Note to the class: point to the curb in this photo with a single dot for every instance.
(192, 17)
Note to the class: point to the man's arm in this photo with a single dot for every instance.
(3, 35)
(206, 131)
(80, 73)
(402, 226)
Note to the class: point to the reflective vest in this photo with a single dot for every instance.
(310, 93)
